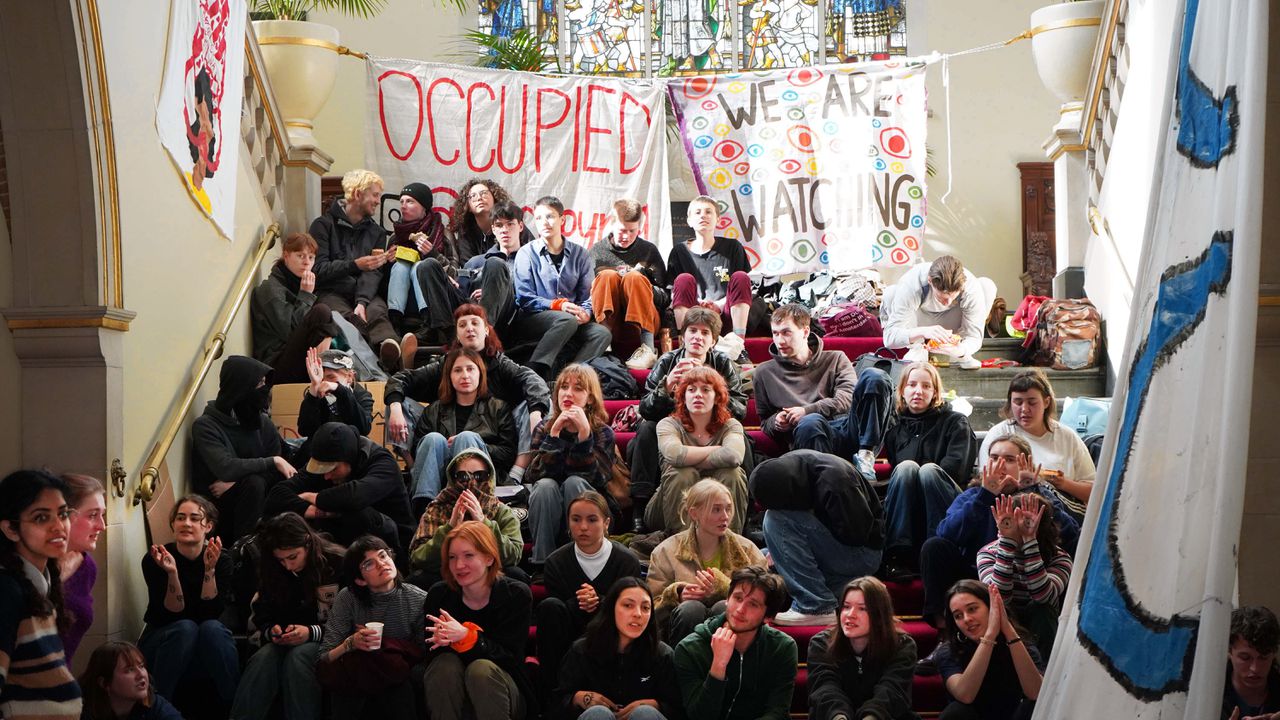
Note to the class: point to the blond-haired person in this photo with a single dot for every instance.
(350, 268)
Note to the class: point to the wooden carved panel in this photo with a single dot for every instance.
(1039, 247)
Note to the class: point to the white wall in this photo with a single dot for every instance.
(177, 273)
(1000, 115)
(420, 29)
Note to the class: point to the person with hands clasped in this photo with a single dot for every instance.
(1025, 563)
(689, 572)
(576, 576)
(297, 583)
(188, 586)
(619, 670)
(733, 666)
(862, 668)
(572, 453)
(468, 496)
(477, 624)
(372, 642)
(970, 524)
(989, 671)
(334, 395)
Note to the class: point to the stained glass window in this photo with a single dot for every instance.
(645, 38)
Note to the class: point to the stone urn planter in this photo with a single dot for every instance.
(1063, 37)
(302, 63)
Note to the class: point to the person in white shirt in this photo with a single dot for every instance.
(941, 306)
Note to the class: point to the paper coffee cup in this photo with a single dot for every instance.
(377, 626)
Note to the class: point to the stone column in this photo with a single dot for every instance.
(1071, 197)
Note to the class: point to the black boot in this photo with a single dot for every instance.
(637, 515)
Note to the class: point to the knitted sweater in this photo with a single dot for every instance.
(400, 610)
(35, 681)
(1022, 573)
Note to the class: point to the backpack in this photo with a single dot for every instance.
(850, 320)
(1024, 318)
(615, 380)
(626, 419)
(1066, 335)
(1085, 415)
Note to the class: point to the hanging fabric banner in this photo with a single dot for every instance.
(198, 113)
(1144, 633)
(812, 167)
(587, 141)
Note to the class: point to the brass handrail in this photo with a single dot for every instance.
(213, 350)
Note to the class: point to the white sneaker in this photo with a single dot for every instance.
(643, 358)
(794, 618)
(968, 362)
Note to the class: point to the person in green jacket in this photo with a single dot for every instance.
(733, 666)
(468, 496)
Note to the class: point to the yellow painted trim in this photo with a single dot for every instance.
(1057, 153)
(1091, 109)
(46, 323)
(104, 155)
(1064, 24)
(1071, 107)
(299, 124)
(308, 42)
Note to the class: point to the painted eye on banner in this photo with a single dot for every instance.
(802, 250)
(774, 265)
(804, 76)
(774, 246)
(721, 130)
(697, 87)
(727, 151)
(812, 166)
(731, 233)
(742, 168)
(911, 243)
(767, 133)
(895, 142)
(876, 254)
(755, 150)
(790, 95)
(758, 175)
(736, 87)
(745, 189)
(724, 222)
(795, 113)
(753, 257)
(710, 105)
(802, 138)
(824, 258)
(917, 221)
(703, 141)
(790, 166)
(720, 178)
(886, 239)
(899, 256)
(699, 123)
(826, 239)
(879, 165)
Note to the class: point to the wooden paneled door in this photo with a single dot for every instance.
(1039, 248)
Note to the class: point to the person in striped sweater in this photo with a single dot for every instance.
(35, 522)
(1027, 565)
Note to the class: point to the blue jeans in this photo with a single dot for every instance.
(548, 509)
(870, 416)
(600, 712)
(918, 499)
(433, 456)
(524, 434)
(280, 668)
(401, 281)
(813, 563)
(183, 649)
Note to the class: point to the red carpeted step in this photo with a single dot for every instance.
(758, 347)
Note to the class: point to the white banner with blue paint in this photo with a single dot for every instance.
(1146, 620)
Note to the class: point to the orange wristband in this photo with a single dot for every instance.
(558, 303)
(469, 641)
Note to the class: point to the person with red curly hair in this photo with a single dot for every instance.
(701, 439)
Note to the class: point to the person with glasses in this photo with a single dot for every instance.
(35, 521)
(372, 641)
(188, 587)
(471, 219)
(88, 502)
(468, 496)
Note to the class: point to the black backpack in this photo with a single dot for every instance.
(615, 380)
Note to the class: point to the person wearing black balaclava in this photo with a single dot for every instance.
(238, 453)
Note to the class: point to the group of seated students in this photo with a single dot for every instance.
(407, 591)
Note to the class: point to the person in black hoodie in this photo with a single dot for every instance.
(823, 527)
(350, 263)
(351, 487)
(298, 580)
(863, 666)
(620, 668)
(932, 450)
(287, 320)
(238, 453)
